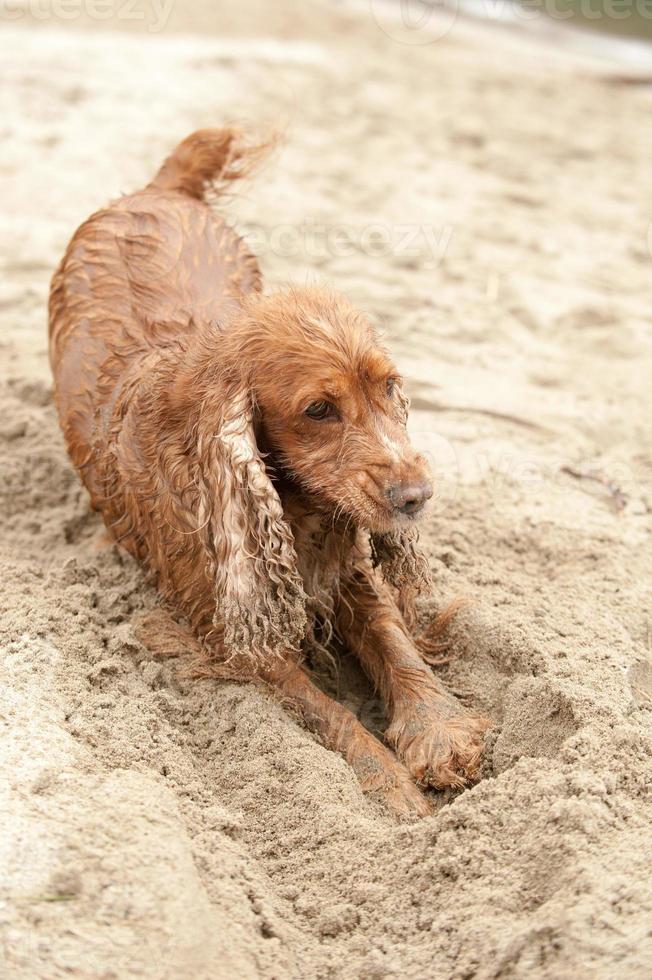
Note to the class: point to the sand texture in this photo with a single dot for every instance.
(488, 204)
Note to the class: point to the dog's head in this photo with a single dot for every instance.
(331, 409)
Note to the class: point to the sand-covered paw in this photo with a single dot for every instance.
(386, 779)
(406, 801)
(443, 752)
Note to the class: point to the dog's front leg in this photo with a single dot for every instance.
(437, 739)
(377, 769)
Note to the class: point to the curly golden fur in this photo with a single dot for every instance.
(251, 452)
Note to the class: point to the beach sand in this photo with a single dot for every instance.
(487, 201)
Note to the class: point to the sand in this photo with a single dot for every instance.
(488, 202)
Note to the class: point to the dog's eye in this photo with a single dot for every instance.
(320, 410)
(390, 385)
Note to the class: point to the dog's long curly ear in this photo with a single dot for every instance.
(260, 602)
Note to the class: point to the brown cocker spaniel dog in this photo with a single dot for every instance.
(251, 452)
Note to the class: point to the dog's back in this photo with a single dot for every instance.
(142, 272)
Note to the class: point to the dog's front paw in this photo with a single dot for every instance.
(405, 801)
(440, 752)
(381, 775)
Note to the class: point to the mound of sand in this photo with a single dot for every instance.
(484, 203)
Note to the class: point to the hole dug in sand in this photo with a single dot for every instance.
(537, 720)
(492, 662)
(490, 670)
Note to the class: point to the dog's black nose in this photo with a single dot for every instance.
(409, 498)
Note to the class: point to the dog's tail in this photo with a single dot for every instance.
(207, 160)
